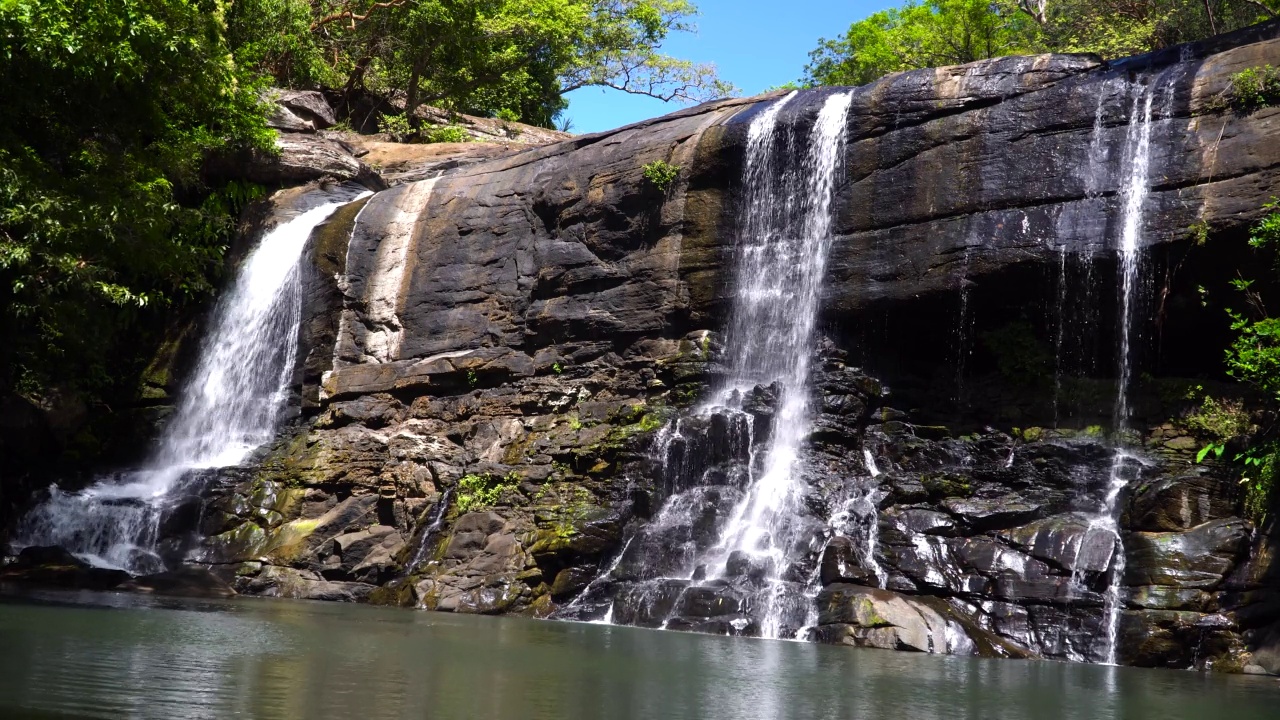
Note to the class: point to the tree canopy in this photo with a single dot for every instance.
(109, 109)
(950, 32)
(513, 58)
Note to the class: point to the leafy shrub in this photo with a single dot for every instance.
(1021, 357)
(446, 134)
(1254, 359)
(1219, 420)
(661, 174)
(1251, 90)
(108, 224)
(396, 126)
(476, 492)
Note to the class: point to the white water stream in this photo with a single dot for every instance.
(1133, 192)
(231, 405)
(782, 257)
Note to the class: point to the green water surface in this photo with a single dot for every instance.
(91, 655)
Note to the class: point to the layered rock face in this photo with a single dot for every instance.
(498, 353)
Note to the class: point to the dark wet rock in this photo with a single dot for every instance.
(55, 567)
(274, 581)
(742, 565)
(647, 604)
(37, 555)
(921, 520)
(571, 581)
(1181, 502)
(1070, 542)
(1054, 631)
(1174, 639)
(704, 601)
(1199, 558)
(184, 581)
(739, 625)
(993, 513)
(842, 562)
(867, 617)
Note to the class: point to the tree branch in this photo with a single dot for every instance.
(346, 13)
(1037, 9)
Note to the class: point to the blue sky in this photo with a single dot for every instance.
(754, 43)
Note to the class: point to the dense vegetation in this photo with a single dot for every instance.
(511, 58)
(951, 32)
(1253, 359)
(108, 226)
(109, 109)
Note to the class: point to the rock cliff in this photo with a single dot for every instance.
(492, 345)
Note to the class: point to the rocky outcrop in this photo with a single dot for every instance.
(309, 148)
(501, 354)
(513, 330)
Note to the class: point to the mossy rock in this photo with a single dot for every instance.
(541, 607)
(395, 594)
(331, 238)
(946, 485)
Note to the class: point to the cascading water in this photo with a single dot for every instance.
(231, 405)
(733, 525)
(1133, 193)
(782, 263)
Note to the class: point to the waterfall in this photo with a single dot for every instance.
(434, 525)
(781, 264)
(1133, 193)
(733, 525)
(231, 404)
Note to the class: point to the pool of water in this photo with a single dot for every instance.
(88, 655)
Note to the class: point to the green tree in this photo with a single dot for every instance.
(1116, 28)
(109, 109)
(948, 32)
(920, 35)
(1253, 358)
(516, 58)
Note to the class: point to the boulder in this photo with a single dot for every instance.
(185, 581)
(286, 582)
(869, 617)
(1198, 558)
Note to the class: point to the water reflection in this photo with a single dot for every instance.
(117, 656)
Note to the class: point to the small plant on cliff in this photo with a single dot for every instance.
(472, 380)
(567, 507)
(1199, 232)
(1252, 89)
(661, 174)
(478, 491)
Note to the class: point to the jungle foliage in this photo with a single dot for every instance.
(931, 33)
(109, 109)
(514, 59)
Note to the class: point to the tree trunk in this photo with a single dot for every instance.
(412, 100)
